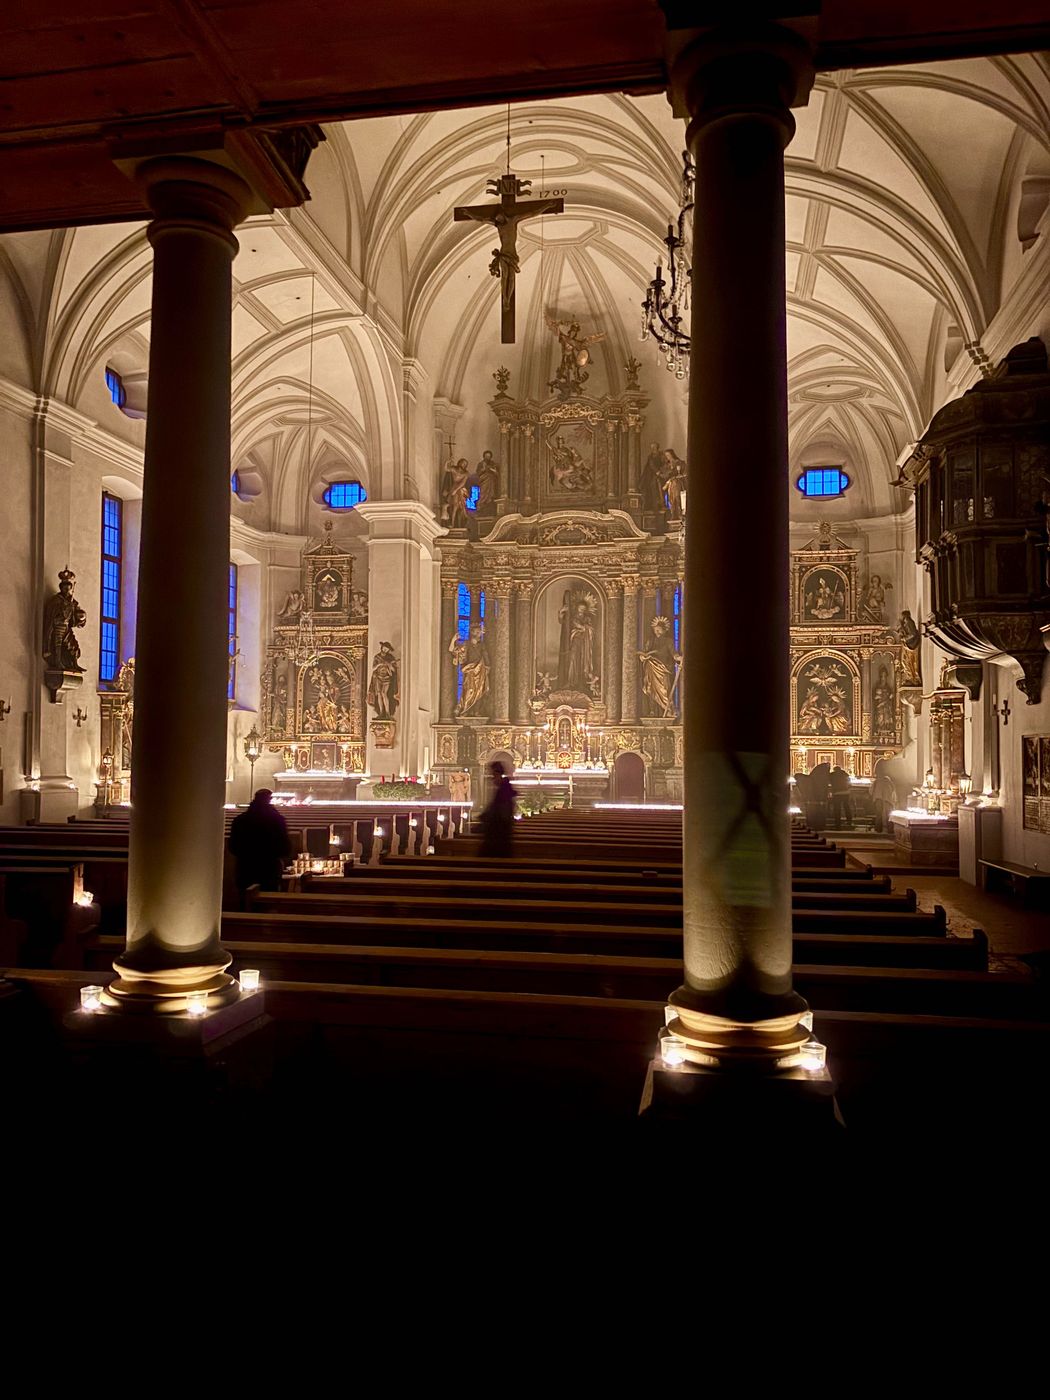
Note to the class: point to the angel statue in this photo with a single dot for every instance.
(578, 615)
(571, 374)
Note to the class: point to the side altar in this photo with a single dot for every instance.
(561, 599)
(850, 673)
(313, 681)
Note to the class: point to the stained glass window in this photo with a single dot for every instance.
(472, 497)
(235, 484)
(678, 617)
(115, 385)
(231, 685)
(819, 483)
(344, 495)
(109, 620)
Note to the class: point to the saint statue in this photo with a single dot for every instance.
(472, 657)
(486, 474)
(62, 613)
(576, 669)
(873, 600)
(454, 492)
(653, 482)
(571, 374)
(911, 657)
(673, 482)
(660, 668)
(882, 698)
(384, 686)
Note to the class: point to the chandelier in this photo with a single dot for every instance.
(667, 301)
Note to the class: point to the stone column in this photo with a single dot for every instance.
(524, 670)
(612, 661)
(629, 696)
(181, 663)
(737, 1004)
(447, 683)
(402, 610)
(499, 594)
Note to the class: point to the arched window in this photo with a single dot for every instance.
(344, 495)
(112, 556)
(472, 497)
(822, 483)
(115, 385)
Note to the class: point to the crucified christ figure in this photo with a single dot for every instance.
(506, 216)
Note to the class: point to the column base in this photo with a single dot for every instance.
(713, 1039)
(166, 991)
(737, 1111)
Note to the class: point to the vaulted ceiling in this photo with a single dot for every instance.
(914, 200)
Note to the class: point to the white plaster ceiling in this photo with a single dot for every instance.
(901, 188)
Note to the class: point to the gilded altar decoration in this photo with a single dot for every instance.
(384, 685)
(660, 668)
(845, 661)
(61, 650)
(116, 732)
(472, 657)
(1035, 779)
(548, 599)
(911, 656)
(313, 690)
(502, 378)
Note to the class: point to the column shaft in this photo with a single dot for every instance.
(613, 660)
(501, 688)
(181, 664)
(629, 696)
(447, 671)
(523, 643)
(737, 996)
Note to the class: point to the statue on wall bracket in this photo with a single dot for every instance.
(384, 685)
(61, 650)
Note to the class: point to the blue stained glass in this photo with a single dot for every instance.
(235, 483)
(109, 611)
(481, 605)
(819, 483)
(344, 495)
(678, 618)
(472, 497)
(463, 612)
(231, 686)
(115, 385)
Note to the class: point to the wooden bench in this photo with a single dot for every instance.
(1021, 880)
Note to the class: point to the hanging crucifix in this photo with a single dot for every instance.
(507, 215)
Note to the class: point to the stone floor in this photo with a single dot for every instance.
(1013, 930)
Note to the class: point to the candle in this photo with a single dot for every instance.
(249, 980)
(90, 998)
(196, 1003)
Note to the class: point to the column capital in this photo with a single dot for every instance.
(759, 70)
(186, 192)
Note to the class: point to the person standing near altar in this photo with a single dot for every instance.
(497, 820)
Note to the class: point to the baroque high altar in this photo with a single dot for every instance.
(561, 595)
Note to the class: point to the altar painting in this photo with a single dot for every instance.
(825, 697)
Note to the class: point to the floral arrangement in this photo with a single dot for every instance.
(535, 800)
(399, 790)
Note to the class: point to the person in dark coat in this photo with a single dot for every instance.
(841, 798)
(259, 844)
(497, 820)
